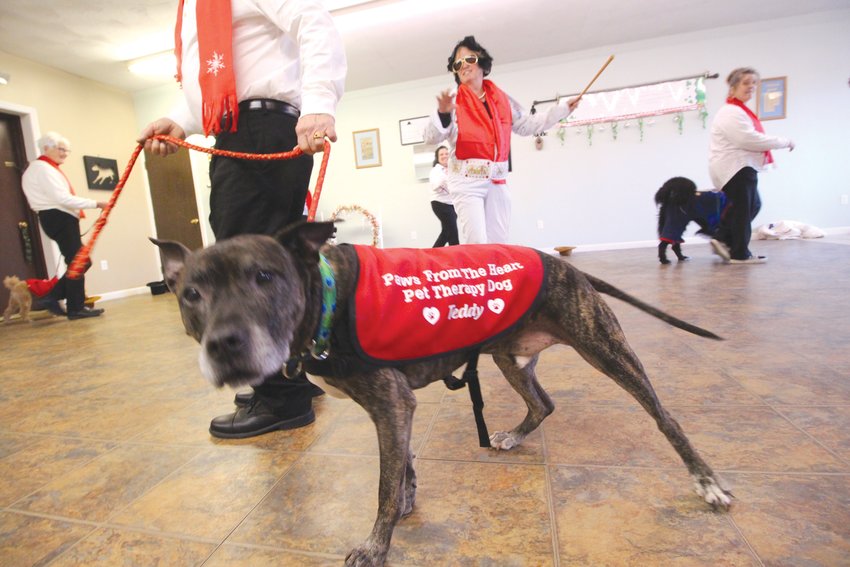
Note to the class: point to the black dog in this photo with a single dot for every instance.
(257, 304)
(679, 203)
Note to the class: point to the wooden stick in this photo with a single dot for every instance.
(593, 80)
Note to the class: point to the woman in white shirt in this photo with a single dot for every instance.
(441, 201)
(738, 150)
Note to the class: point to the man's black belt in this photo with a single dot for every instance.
(270, 105)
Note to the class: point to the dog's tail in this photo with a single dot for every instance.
(608, 289)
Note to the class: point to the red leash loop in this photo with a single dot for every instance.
(83, 258)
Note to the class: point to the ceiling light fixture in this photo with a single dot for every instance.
(5, 78)
(161, 64)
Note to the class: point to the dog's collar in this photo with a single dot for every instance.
(320, 348)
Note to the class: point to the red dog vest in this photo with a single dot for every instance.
(412, 304)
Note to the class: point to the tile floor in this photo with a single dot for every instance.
(105, 457)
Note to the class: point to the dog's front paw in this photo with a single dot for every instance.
(710, 490)
(365, 556)
(503, 441)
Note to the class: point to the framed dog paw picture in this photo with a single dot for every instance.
(101, 173)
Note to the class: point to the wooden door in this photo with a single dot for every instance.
(175, 208)
(20, 239)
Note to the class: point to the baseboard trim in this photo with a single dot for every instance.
(110, 295)
(692, 241)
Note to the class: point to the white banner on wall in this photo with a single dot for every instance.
(634, 102)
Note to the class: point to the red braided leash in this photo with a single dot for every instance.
(83, 257)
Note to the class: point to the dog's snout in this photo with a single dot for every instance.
(227, 343)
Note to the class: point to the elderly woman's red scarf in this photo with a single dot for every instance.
(46, 159)
(483, 135)
(215, 54)
(768, 157)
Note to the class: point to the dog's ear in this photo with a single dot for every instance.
(173, 256)
(306, 238)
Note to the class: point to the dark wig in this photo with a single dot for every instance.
(484, 59)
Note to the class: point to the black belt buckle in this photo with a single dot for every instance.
(271, 105)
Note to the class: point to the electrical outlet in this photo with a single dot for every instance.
(844, 199)
(104, 265)
(413, 235)
(539, 225)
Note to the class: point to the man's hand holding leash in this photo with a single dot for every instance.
(312, 129)
(164, 126)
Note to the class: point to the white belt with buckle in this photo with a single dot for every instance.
(479, 168)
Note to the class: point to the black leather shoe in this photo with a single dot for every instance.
(242, 399)
(48, 303)
(315, 391)
(256, 419)
(54, 307)
(84, 313)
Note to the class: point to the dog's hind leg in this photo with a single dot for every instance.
(604, 346)
(409, 492)
(677, 250)
(387, 398)
(524, 381)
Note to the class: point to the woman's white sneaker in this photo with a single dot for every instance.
(750, 260)
(721, 249)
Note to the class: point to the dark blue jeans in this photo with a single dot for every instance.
(742, 205)
(448, 224)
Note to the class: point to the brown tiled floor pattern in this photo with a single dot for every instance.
(105, 458)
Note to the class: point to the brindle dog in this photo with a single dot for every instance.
(253, 302)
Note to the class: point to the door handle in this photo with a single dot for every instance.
(194, 221)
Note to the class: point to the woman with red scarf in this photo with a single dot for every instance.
(738, 150)
(479, 120)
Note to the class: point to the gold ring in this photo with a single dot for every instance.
(318, 135)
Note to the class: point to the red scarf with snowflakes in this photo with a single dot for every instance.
(46, 159)
(768, 157)
(413, 304)
(215, 53)
(482, 134)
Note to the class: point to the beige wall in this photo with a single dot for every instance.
(99, 121)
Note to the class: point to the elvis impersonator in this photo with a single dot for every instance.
(479, 122)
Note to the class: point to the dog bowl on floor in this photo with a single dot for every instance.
(158, 288)
(565, 250)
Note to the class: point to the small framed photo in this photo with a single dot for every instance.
(412, 130)
(101, 173)
(367, 148)
(771, 98)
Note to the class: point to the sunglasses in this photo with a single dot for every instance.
(469, 60)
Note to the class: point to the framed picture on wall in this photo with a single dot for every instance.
(367, 148)
(101, 173)
(771, 98)
(412, 130)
